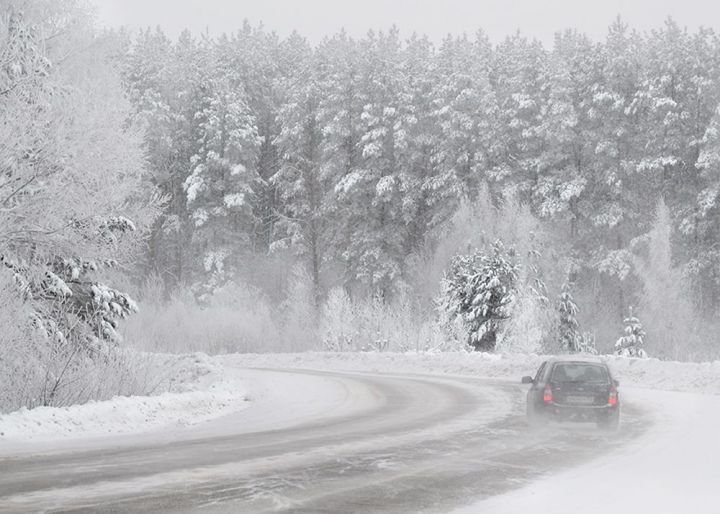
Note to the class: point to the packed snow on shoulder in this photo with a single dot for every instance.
(201, 391)
(644, 373)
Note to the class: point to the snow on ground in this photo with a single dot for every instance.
(218, 388)
(671, 469)
(645, 373)
(201, 390)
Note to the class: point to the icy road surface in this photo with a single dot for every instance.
(319, 442)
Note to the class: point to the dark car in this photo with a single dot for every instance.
(573, 389)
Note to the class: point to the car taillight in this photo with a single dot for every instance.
(612, 396)
(547, 394)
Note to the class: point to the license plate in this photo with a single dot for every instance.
(580, 400)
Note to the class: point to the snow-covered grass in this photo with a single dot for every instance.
(644, 373)
(197, 389)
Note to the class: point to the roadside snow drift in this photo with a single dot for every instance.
(203, 390)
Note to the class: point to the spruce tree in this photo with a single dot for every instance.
(633, 339)
(570, 336)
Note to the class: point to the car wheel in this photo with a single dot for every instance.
(534, 418)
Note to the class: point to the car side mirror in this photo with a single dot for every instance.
(527, 380)
(617, 383)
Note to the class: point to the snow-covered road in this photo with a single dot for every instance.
(673, 468)
(320, 442)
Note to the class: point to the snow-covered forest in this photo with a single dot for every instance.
(250, 193)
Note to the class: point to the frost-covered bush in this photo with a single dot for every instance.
(17, 342)
(338, 326)
(529, 325)
(372, 324)
(587, 344)
(237, 318)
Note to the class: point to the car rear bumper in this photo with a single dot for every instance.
(579, 412)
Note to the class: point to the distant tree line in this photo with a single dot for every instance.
(352, 154)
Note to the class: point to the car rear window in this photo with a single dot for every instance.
(579, 372)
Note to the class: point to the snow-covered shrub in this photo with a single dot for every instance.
(372, 324)
(46, 366)
(530, 324)
(531, 327)
(479, 289)
(337, 321)
(587, 344)
(237, 318)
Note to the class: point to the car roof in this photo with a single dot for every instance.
(577, 358)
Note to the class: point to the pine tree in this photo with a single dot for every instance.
(519, 74)
(303, 223)
(370, 193)
(162, 80)
(567, 129)
(465, 111)
(421, 132)
(702, 225)
(479, 289)
(220, 190)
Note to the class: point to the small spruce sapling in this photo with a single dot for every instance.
(633, 339)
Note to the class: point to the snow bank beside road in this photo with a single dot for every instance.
(201, 390)
(645, 373)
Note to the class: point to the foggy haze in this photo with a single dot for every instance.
(316, 19)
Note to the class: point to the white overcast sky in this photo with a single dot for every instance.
(436, 18)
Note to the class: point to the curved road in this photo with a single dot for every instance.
(415, 444)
